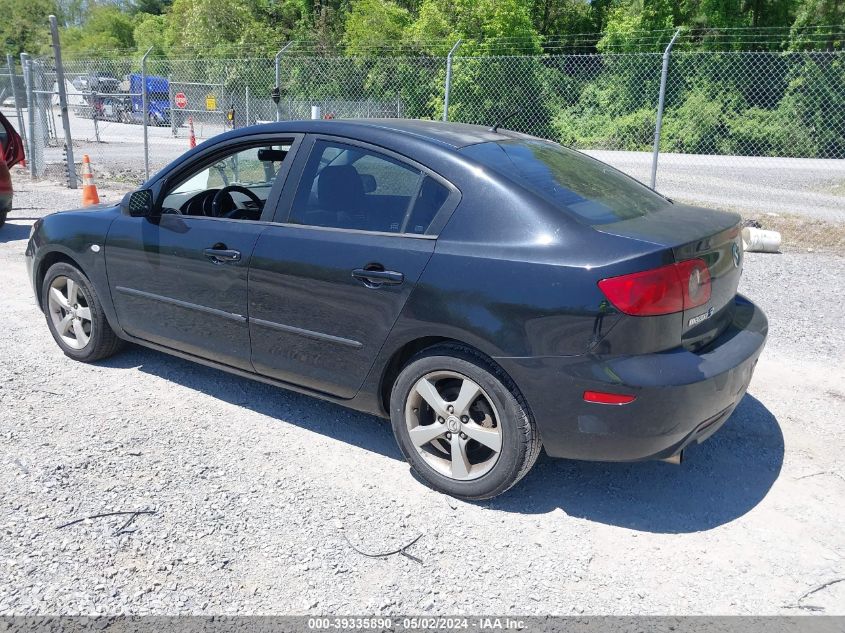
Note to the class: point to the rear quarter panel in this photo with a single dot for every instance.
(514, 277)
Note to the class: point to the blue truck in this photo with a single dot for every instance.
(158, 99)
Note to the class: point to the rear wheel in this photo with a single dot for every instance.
(75, 315)
(462, 424)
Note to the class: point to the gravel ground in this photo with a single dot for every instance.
(260, 494)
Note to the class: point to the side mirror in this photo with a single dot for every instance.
(138, 204)
(369, 183)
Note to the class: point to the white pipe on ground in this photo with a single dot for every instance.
(759, 240)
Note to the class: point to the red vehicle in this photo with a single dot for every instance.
(11, 153)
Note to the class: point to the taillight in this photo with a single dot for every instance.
(664, 290)
(695, 282)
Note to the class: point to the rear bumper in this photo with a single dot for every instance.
(681, 396)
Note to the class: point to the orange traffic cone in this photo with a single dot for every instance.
(89, 189)
(192, 139)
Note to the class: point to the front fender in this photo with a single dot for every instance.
(77, 237)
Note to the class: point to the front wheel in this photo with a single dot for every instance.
(462, 424)
(75, 315)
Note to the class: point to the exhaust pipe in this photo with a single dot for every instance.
(676, 459)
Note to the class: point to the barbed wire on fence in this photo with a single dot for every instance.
(711, 39)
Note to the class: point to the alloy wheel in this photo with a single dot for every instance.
(454, 425)
(70, 312)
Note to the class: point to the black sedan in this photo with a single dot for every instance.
(490, 292)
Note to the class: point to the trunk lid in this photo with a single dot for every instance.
(692, 232)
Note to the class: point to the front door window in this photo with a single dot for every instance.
(235, 187)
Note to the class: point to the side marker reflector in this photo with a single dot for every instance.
(602, 397)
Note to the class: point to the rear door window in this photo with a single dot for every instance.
(351, 187)
(592, 191)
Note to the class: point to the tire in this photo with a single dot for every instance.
(468, 431)
(5, 207)
(83, 339)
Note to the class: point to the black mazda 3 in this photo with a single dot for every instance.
(490, 292)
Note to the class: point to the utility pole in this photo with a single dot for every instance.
(60, 80)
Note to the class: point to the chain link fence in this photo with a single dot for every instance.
(754, 131)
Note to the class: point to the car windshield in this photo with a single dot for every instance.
(592, 191)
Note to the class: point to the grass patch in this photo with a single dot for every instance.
(800, 233)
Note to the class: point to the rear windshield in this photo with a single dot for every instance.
(591, 190)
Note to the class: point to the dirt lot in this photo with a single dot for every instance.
(259, 494)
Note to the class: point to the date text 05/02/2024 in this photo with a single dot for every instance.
(416, 623)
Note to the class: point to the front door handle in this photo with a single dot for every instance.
(222, 255)
(378, 277)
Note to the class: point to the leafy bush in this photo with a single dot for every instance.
(759, 132)
(780, 105)
(698, 125)
(589, 129)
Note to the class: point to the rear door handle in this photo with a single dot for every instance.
(379, 277)
(222, 255)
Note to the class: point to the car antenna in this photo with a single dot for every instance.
(507, 117)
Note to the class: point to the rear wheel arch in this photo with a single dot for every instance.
(403, 355)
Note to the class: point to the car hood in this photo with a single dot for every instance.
(105, 208)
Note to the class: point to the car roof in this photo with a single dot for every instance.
(453, 135)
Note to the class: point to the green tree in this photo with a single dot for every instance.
(154, 7)
(559, 17)
(818, 13)
(373, 22)
(219, 28)
(485, 89)
(24, 27)
(322, 23)
(151, 32)
(72, 12)
(481, 23)
(106, 28)
(628, 21)
(284, 17)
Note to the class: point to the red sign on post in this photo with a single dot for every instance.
(181, 100)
